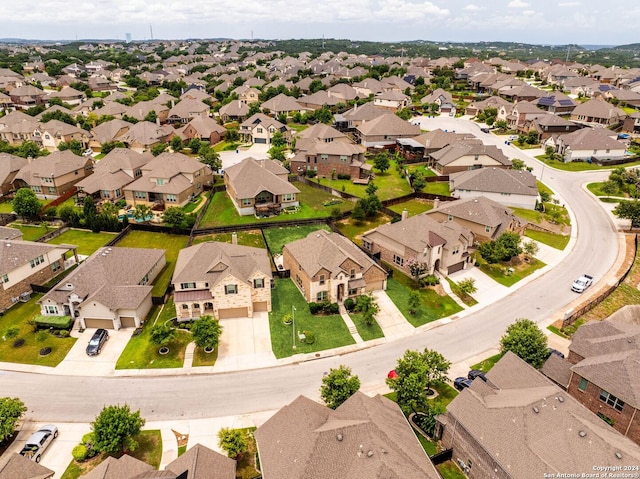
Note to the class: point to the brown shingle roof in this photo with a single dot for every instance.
(15, 466)
(124, 468)
(496, 180)
(201, 462)
(251, 176)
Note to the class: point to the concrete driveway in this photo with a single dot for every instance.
(393, 324)
(489, 291)
(78, 363)
(58, 455)
(245, 344)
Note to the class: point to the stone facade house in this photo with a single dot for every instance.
(329, 267)
(384, 130)
(329, 159)
(421, 240)
(547, 126)
(259, 128)
(597, 111)
(111, 289)
(222, 280)
(468, 155)
(54, 132)
(204, 128)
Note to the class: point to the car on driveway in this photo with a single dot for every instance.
(476, 373)
(97, 341)
(39, 441)
(551, 351)
(461, 383)
(582, 283)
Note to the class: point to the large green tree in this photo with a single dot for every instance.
(26, 204)
(115, 428)
(525, 339)
(381, 162)
(173, 216)
(11, 410)
(206, 332)
(75, 146)
(338, 386)
(210, 157)
(628, 210)
(233, 441)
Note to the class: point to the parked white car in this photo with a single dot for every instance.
(582, 283)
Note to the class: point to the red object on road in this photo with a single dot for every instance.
(392, 374)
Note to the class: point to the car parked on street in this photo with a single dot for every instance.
(461, 383)
(97, 341)
(39, 441)
(582, 283)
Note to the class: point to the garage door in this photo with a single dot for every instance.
(374, 285)
(98, 323)
(260, 306)
(260, 140)
(455, 267)
(233, 313)
(127, 321)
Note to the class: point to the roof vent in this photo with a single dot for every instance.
(618, 455)
(369, 453)
(582, 433)
(536, 410)
(339, 437)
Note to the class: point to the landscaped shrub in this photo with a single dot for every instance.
(430, 280)
(332, 308)
(63, 333)
(88, 438)
(56, 322)
(42, 336)
(324, 308)
(12, 332)
(18, 342)
(311, 173)
(344, 176)
(79, 452)
(349, 304)
(309, 337)
(315, 308)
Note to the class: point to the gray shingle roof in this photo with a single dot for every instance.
(56, 164)
(15, 466)
(124, 468)
(251, 176)
(480, 210)
(496, 180)
(15, 253)
(201, 462)
(388, 125)
(455, 151)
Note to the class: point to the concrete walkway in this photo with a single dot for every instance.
(349, 322)
(393, 324)
(188, 355)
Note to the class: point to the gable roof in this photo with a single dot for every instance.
(282, 102)
(188, 107)
(388, 125)
(363, 437)
(55, 165)
(201, 462)
(598, 109)
(251, 176)
(9, 166)
(496, 180)
(453, 152)
(480, 210)
(126, 467)
(591, 139)
(15, 253)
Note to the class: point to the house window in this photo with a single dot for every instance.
(583, 384)
(118, 193)
(159, 181)
(52, 190)
(487, 229)
(321, 280)
(5, 278)
(343, 158)
(231, 289)
(50, 309)
(137, 172)
(171, 198)
(298, 280)
(611, 400)
(476, 157)
(246, 202)
(353, 292)
(324, 157)
(321, 296)
(288, 197)
(140, 195)
(36, 261)
(187, 285)
(258, 130)
(456, 249)
(54, 267)
(399, 260)
(185, 306)
(36, 189)
(106, 194)
(352, 274)
(258, 283)
(366, 244)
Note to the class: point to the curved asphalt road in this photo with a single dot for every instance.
(79, 399)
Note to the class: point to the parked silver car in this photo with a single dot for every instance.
(39, 441)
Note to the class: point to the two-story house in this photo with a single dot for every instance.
(260, 128)
(222, 280)
(467, 154)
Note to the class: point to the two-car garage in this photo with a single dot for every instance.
(125, 322)
(230, 313)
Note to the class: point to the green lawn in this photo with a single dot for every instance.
(535, 216)
(488, 363)
(31, 232)
(330, 331)
(200, 358)
(464, 297)
(449, 470)
(222, 212)
(69, 202)
(278, 237)
(6, 207)
(437, 188)
(390, 184)
(422, 168)
(413, 207)
(596, 189)
(149, 450)
(498, 271)
(86, 241)
(554, 240)
(17, 317)
(141, 353)
(192, 205)
(542, 188)
(245, 238)
(172, 244)
(433, 306)
(580, 165)
(365, 331)
(352, 229)
(226, 146)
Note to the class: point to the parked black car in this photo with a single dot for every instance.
(97, 341)
(554, 351)
(461, 383)
(476, 373)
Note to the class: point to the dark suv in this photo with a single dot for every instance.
(97, 341)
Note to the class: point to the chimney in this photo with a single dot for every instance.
(234, 238)
(405, 214)
(436, 203)
(158, 120)
(29, 159)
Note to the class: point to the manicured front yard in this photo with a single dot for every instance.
(330, 331)
(413, 207)
(278, 237)
(546, 217)
(500, 272)
(596, 189)
(149, 450)
(17, 317)
(245, 238)
(313, 204)
(6, 207)
(580, 165)
(86, 241)
(365, 331)
(433, 306)
(554, 240)
(31, 232)
(353, 229)
(141, 353)
(172, 244)
(488, 363)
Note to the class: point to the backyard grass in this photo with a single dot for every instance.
(499, 271)
(221, 210)
(6, 207)
(390, 184)
(353, 229)
(192, 205)
(580, 165)
(86, 241)
(366, 332)
(141, 353)
(464, 297)
(449, 470)
(422, 168)
(440, 188)
(488, 363)
(149, 450)
(433, 306)
(278, 237)
(31, 232)
(245, 238)
(330, 331)
(226, 146)
(413, 207)
(542, 188)
(554, 240)
(172, 244)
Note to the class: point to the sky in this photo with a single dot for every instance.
(582, 22)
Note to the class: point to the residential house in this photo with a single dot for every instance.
(112, 173)
(142, 109)
(112, 108)
(144, 135)
(520, 92)
(23, 263)
(260, 187)
(384, 130)
(53, 175)
(419, 148)
(439, 97)
(108, 132)
(631, 123)
(26, 96)
(518, 424)
(597, 112)
(234, 111)
(186, 110)
(320, 99)
(547, 126)
(514, 188)
(282, 104)
(204, 128)
(485, 218)
(392, 100)
(170, 179)
(17, 127)
(329, 154)
(68, 95)
(247, 95)
(54, 132)
(329, 267)
(556, 103)
(587, 144)
(421, 240)
(119, 468)
(259, 128)
(9, 167)
(200, 462)
(16, 466)
(363, 437)
(515, 115)
(358, 115)
(468, 155)
(476, 107)
(223, 280)
(100, 84)
(111, 289)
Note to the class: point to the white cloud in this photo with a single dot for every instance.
(569, 4)
(472, 8)
(518, 4)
